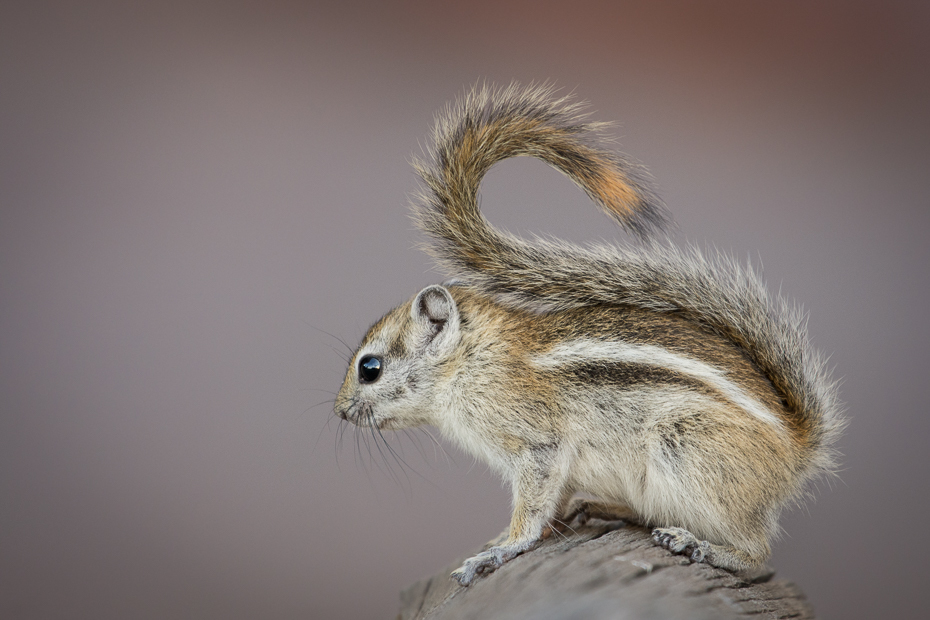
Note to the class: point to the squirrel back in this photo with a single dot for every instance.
(715, 292)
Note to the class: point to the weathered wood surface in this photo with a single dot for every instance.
(600, 572)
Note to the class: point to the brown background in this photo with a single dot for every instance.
(192, 194)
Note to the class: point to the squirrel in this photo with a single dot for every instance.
(665, 384)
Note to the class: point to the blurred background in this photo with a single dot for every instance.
(200, 201)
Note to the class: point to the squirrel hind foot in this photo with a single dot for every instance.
(682, 542)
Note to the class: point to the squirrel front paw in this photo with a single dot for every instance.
(484, 562)
(487, 562)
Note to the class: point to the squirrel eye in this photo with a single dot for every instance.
(369, 369)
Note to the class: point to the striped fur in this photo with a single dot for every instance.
(593, 351)
(669, 385)
(714, 292)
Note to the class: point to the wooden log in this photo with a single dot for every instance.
(604, 571)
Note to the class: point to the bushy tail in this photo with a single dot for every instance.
(490, 125)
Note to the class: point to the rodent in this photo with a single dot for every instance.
(665, 383)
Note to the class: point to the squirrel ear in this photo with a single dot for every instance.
(436, 316)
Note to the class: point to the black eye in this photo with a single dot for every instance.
(369, 369)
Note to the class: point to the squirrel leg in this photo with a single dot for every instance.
(537, 491)
(584, 509)
(681, 541)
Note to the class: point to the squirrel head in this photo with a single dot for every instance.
(392, 378)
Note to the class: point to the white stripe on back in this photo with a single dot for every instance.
(593, 351)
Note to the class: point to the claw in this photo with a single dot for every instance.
(487, 562)
(678, 541)
(482, 564)
(700, 552)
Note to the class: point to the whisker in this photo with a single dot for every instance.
(359, 438)
(567, 526)
(437, 444)
(402, 462)
(343, 425)
(415, 440)
(340, 431)
(310, 389)
(372, 429)
(341, 341)
(320, 434)
(342, 355)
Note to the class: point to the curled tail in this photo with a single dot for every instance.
(490, 125)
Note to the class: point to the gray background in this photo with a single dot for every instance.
(194, 193)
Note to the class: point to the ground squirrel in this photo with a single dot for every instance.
(665, 383)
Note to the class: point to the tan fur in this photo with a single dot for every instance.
(667, 385)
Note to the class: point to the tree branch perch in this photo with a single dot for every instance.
(604, 571)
